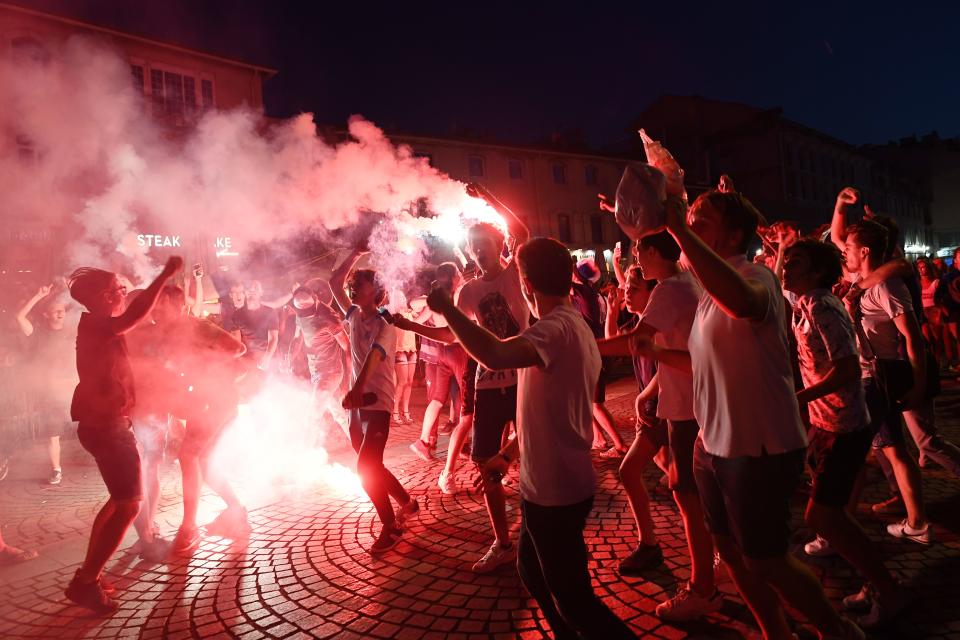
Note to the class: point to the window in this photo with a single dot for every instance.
(136, 71)
(559, 173)
(515, 169)
(596, 229)
(563, 227)
(590, 175)
(206, 94)
(475, 166)
(175, 94)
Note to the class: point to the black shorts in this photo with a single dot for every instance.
(748, 498)
(468, 388)
(495, 408)
(835, 460)
(683, 436)
(114, 448)
(885, 422)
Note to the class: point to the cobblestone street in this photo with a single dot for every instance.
(305, 573)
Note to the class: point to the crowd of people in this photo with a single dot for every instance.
(751, 373)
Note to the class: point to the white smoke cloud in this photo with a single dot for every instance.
(106, 170)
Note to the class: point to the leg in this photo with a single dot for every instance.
(763, 601)
(399, 368)
(496, 507)
(699, 543)
(457, 438)
(407, 386)
(922, 427)
(602, 416)
(556, 534)
(908, 479)
(430, 417)
(53, 450)
(528, 566)
(377, 481)
(151, 498)
(638, 456)
(192, 480)
(109, 527)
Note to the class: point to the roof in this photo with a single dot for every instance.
(267, 71)
(518, 148)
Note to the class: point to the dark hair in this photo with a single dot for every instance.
(486, 228)
(738, 213)
(548, 265)
(664, 244)
(367, 275)
(824, 257)
(86, 284)
(172, 295)
(893, 235)
(447, 271)
(931, 265)
(637, 273)
(871, 235)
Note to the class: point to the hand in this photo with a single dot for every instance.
(493, 471)
(786, 235)
(617, 252)
(605, 204)
(725, 185)
(848, 196)
(44, 291)
(353, 399)
(868, 213)
(852, 297)
(198, 270)
(676, 214)
(646, 420)
(439, 301)
(174, 264)
(477, 190)
(615, 298)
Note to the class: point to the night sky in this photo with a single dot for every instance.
(522, 70)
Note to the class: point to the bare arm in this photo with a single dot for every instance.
(614, 305)
(737, 296)
(143, 304)
(197, 307)
(838, 223)
(910, 329)
(621, 345)
(844, 371)
(486, 348)
(338, 279)
(25, 325)
(439, 334)
(354, 398)
(896, 268)
(273, 337)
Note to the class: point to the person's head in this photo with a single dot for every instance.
(238, 295)
(54, 314)
(810, 264)
(304, 302)
(893, 248)
(171, 303)
(941, 265)
(587, 272)
(448, 277)
(657, 256)
(254, 293)
(865, 246)
(927, 269)
(101, 292)
(469, 271)
(546, 270)
(636, 290)
(485, 242)
(726, 222)
(365, 289)
(956, 258)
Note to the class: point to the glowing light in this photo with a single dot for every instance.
(917, 248)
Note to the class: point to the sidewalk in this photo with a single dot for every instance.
(305, 572)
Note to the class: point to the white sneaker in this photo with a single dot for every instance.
(447, 482)
(688, 605)
(903, 530)
(819, 548)
(496, 555)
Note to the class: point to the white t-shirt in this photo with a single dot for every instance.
(555, 411)
(671, 310)
(743, 393)
(879, 305)
(497, 305)
(373, 333)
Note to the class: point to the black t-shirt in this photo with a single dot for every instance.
(254, 326)
(105, 391)
(587, 302)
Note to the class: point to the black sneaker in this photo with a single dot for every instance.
(91, 596)
(389, 538)
(644, 557)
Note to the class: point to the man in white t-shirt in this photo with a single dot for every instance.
(495, 301)
(559, 365)
(666, 323)
(750, 456)
(373, 344)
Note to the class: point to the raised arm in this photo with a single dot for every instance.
(143, 304)
(611, 328)
(25, 325)
(486, 348)
(197, 308)
(338, 279)
(515, 226)
(736, 295)
(838, 224)
(617, 267)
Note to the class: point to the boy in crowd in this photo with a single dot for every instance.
(558, 366)
(372, 347)
(51, 371)
(749, 458)
(255, 324)
(841, 435)
(667, 321)
(102, 404)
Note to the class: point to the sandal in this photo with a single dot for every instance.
(407, 418)
(13, 555)
(397, 419)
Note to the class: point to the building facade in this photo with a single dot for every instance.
(790, 171)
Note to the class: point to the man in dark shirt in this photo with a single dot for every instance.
(257, 326)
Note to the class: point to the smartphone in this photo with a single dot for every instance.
(618, 246)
